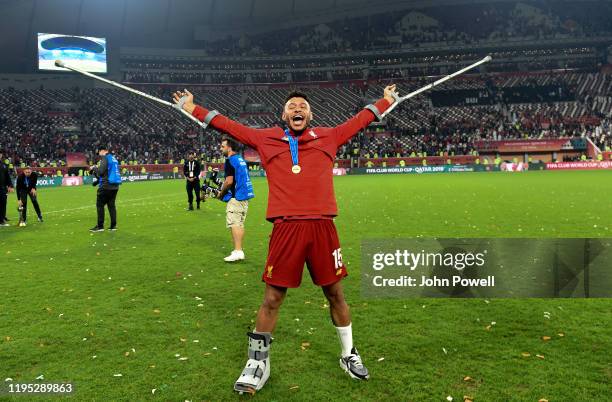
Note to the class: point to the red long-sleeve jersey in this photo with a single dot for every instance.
(311, 192)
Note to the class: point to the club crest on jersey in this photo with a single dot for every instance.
(269, 271)
(312, 134)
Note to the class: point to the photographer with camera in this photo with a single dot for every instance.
(26, 187)
(236, 190)
(108, 182)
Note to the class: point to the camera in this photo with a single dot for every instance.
(93, 171)
(211, 186)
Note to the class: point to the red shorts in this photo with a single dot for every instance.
(295, 242)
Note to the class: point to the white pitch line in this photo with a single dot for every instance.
(124, 202)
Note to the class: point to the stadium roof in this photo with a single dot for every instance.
(168, 23)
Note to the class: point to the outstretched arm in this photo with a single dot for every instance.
(240, 132)
(361, 120)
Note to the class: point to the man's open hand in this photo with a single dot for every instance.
(388, 94)
(184, 99)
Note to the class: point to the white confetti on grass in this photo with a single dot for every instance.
(40, 377)
(8, 379)
(118, 375)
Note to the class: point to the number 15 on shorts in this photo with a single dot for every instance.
(337, 258)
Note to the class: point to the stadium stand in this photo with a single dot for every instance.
(490, 106)
(550, 77)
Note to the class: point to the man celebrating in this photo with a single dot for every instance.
(191, 171)
(6, 186)
(108, 187)
(298, 162)
(236, 190)
(26, 187)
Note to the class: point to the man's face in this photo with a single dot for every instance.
(225, 148)
(190, 157)
(297, 114)
(27, 171)
(102, 152)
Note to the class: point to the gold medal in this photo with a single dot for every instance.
(296, 169)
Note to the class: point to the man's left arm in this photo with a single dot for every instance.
(230, 175)
(225, 187)
(345, 131)
(197, 169)
(103, 168)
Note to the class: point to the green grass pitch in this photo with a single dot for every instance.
(152, 312)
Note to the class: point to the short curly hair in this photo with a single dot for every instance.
(296, 94)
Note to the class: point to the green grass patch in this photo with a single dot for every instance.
(82, 308)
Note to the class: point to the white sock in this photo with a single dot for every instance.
(345, 334)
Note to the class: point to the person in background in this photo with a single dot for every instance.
(109, 180)
(6, 186)
(236, 190)
(191, 171)
(26, 187)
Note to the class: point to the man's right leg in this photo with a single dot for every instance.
(23, 215)
(235, 214)
(257, 369)
(189, 194)
(3, 196)
(268, 311)
(237, 236)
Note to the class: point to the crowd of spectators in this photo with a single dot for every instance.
(34, 129)
(373, 67)
(460, 24)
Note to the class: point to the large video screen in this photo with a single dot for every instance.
(83, 52)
